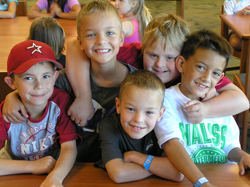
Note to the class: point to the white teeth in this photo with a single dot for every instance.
(137, 127)
(200, 85)
(102, 51)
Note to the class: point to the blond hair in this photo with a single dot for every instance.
(169, 28)
(142, 14)
(143, 79)
(48, 30)
(96, 6)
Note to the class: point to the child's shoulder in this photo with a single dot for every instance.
(60, 96)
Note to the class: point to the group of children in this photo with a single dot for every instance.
(126, 121)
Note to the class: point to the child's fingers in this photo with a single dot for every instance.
(192, 102)
(23, 111)
(242, 168)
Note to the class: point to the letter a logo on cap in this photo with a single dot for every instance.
(36, 48)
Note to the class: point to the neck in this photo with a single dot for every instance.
(108, 74)
(36, 112)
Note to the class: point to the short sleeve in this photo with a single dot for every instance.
(109, 137)
(222, 83)
(65, 128)
(167, 128)
(43, 4)
(72, 3)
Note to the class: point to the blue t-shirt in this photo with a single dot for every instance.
(4, 7)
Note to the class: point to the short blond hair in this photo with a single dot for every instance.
(96, 6)
(48, 30)
(143, 79)
(170, 28)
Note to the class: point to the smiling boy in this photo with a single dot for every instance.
(31, 144)
(127, 137)
(202, 62)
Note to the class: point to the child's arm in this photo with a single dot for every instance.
(63, 165)
(131, 168)
(127, 27)
(77, 71)
(241, 157)
(35, 12)
(182, 161)
(66, 15)
(11, 12)
(230, 101)
(160, 166)
(12, 106)
(41, 166)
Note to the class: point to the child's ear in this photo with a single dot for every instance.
(122, 38)
(80, 43)
(56, 74)
(117, 103)
(222, 75)
(179, 63)
(10, 83)
(161, 113)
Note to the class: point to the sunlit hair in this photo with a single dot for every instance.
(143, 79)
(169, 28)
(97, 6)
(206, 39)
(61, 4)
(48, 30)
(142, 15)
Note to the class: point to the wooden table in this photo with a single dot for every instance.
(240, 24)
(85, 174)
(13, 31)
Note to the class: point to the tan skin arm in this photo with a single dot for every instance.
(77, 70)
(182, 161)
(11, 12)
(69, 15)
(35, 12)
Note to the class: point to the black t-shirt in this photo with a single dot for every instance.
(115, 141)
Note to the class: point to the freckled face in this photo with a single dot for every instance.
(161, 61)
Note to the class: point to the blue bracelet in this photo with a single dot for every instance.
(148, 162)
(200, 181)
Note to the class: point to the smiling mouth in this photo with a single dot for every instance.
(102, 50)
(158, 71)
(136, 127)
(201, 85)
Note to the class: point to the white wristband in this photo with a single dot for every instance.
(200, 181)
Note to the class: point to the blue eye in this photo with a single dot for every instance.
(130, 109)
(27, 78)
(217, 74)
(46, 76)
(150, 112)
(90, 35)
(110, 33)
(153, 55)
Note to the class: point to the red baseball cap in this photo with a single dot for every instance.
(28, 53)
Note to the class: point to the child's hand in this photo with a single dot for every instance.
(42, 165)
(196, 111)
(11, 109)
(128, 156)
(80, 111)
(51, 181)
(244, 162)
(245, 11)
(209, 95)
(57, 10)
(52, 11)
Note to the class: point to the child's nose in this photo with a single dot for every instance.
(100, 40)
(160, 62)
(206, 77)
(39, 85)
(138, 117)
